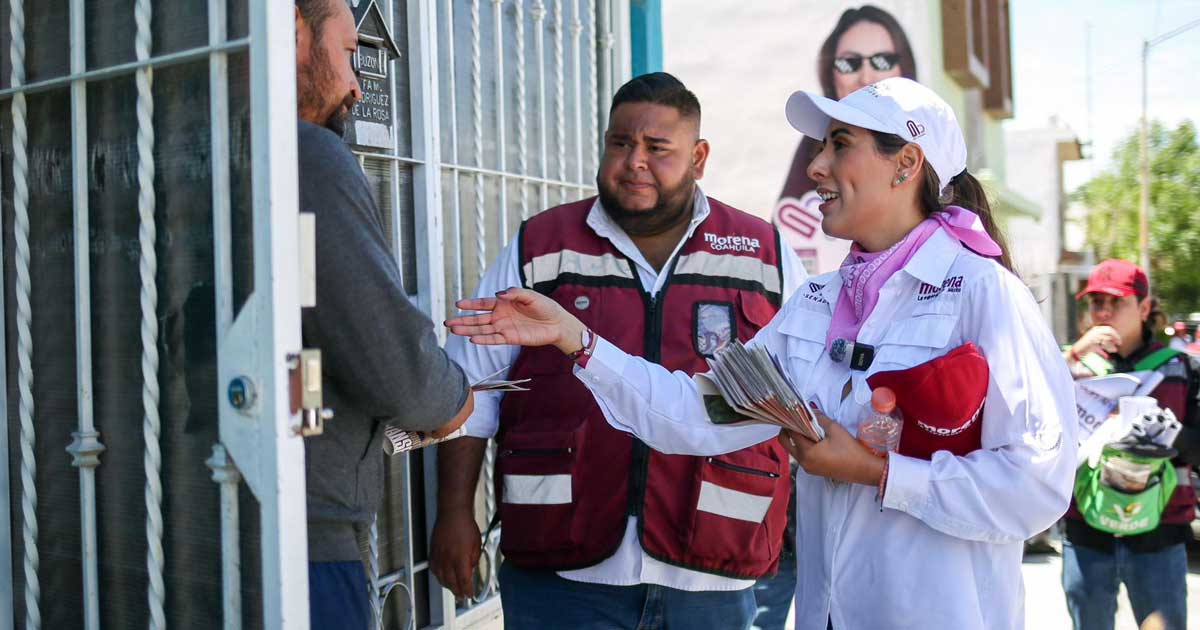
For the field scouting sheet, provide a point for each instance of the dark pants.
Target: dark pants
(542, 600)
(1156, 582)
(774, 595)
(337, 596)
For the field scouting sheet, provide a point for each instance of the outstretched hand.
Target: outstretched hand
(518, 317)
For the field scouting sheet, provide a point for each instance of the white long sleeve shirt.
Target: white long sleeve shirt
(630, 564)
(945, 550)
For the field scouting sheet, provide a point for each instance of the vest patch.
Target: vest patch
(714, 327)
(731, 243)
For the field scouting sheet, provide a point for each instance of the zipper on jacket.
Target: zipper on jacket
(640, 465)
(742, 469)
(517, 452)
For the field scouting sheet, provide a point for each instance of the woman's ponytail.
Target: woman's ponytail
(966, 191)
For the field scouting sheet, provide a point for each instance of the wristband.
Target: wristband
(887, 459)
(1074, 355)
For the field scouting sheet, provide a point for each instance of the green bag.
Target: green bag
(1115, 511)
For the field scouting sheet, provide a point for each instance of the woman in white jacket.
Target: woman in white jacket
(882, 542)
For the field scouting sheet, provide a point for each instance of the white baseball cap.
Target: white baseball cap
(897, 106)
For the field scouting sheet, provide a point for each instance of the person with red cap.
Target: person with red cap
(928, 536)
(1152, 565)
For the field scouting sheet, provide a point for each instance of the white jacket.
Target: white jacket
(945, 550)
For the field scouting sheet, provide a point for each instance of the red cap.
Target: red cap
(1117, 277)
(942, 402)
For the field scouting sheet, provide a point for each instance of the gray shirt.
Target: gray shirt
(382, 363)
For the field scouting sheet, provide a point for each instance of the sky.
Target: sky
(1050, 69)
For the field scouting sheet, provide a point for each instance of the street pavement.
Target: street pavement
(1046, 607)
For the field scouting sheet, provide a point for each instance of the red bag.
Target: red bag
(942, 402)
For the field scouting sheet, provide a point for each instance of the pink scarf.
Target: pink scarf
(864, 273)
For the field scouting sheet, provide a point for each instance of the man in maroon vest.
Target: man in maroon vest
(599, 530)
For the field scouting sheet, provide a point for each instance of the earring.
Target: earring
(901, 179)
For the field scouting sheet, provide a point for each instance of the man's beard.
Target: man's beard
(313, 83)
(670, 209)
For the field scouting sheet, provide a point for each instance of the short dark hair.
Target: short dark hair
(659, 88)
(315, 12)
(865, 13)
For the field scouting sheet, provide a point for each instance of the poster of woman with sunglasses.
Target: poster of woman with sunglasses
(867, 45)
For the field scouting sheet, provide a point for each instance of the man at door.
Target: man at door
(590, 516)
(382, 362)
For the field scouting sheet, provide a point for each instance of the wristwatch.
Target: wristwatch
(587, 341)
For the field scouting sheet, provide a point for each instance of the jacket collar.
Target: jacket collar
(933, 260)
(929, 264)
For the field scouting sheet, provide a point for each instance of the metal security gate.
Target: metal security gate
(498, 107)
(150, 240)
(150, 282)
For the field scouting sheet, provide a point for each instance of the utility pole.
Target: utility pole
(1144, 205)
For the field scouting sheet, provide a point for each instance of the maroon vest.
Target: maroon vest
(567, 481)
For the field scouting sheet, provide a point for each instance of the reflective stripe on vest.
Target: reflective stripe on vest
(550, 268)
(537, 489)
(745, 268)
(732, 503)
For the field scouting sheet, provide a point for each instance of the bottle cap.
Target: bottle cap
(883, 400)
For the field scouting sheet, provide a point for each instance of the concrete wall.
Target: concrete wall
(1034, 171)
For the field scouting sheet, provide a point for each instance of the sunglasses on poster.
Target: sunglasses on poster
(881, 61)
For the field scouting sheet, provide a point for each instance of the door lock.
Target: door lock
(242, 394)
(304, 381)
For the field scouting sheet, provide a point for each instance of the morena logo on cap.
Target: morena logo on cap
(915, 130)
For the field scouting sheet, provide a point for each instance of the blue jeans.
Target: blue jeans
(1156, 582)
(774, 596)
(541, 600)
(337, 596)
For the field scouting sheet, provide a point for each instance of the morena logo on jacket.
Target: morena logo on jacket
(928, 291)
(731, 243)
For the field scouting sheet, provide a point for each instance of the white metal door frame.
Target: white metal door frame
(264, 444)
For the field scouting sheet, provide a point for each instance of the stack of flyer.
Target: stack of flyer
(1096, 403)
(748, 384)
(396, 441)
